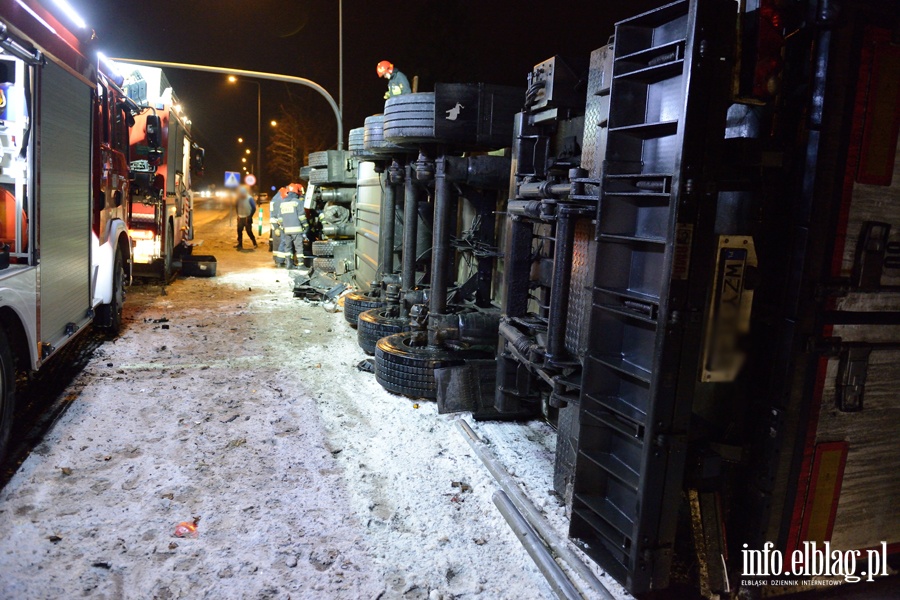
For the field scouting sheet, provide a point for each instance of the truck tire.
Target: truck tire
(111, 314)
(318, 159)
(7, 392)
(326, 265)
(405, 363)
(373, 137)
(357, 144)
(373, 132)
(375, 324)
(318, 176)
(409, 119)
(358, 302)
(417, 101)
(326, 248)
(356, 140)
(412, 135)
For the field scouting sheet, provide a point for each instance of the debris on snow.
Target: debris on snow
(187, 528)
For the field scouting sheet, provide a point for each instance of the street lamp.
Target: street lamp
(240, 140)
(234, 79)
(273, 123)
(247, 151)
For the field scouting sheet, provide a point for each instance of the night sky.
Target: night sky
(440, 40)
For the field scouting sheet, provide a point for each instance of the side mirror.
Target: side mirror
(126, 110)
(198, 154)
(154, 131)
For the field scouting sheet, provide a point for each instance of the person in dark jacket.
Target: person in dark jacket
(245, 206)
(294, 224)
(398, 84)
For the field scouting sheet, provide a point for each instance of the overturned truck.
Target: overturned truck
(682, 252)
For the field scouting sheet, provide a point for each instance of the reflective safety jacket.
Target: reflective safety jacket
(293, 217)
(275, 210)
(398, 85)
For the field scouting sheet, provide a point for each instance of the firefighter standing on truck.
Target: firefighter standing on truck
(294, 224)
(398, 84)
(275, 226)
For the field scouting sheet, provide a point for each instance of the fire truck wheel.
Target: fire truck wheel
(358, 302)
(111, 314)
(326, 248)
(375, 324)
(405, 363)
(7, 392)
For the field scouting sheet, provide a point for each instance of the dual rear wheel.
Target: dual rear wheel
(405, 363)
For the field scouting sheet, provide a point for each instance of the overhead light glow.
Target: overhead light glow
(232, 78)
(247, 151)
(240, 140)
(274, 123)
(70, 12)
(111, 65)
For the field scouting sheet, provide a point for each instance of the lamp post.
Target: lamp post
(233, 79)
(341, 61)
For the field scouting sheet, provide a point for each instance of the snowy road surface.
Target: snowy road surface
(229, 400)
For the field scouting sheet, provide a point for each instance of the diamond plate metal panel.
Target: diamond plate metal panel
(597, 110)
(579, 290)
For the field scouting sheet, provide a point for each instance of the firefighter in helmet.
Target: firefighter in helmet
(294, 224)
(275, 226)
(397, 82)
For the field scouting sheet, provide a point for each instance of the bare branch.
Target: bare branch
(299, 132)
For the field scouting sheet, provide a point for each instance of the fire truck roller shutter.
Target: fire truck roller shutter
(65, 202)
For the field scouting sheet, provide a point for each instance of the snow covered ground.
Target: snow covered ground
(229, 400)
